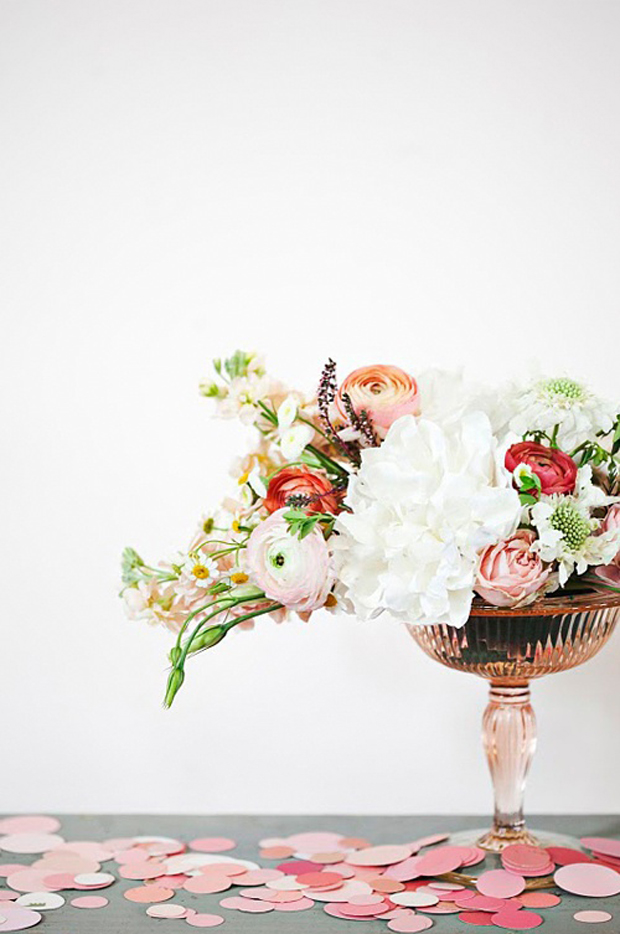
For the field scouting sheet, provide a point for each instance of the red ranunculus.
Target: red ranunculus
(556, 471)
(294, 481)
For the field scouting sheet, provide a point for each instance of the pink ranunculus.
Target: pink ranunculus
(509, 572)
(384, 392)
(297, 573)
(556, 471)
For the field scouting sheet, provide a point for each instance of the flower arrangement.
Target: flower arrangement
(391, 495)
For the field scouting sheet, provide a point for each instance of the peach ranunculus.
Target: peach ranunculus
(384, 392)
(298, 573)
(509, 572)
(300, 481)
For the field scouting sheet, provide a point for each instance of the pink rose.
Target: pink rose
(295, 572)
(611, 523)
(509, 572)
(384, 392)
(610, 573)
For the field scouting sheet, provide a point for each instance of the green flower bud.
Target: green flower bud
(177, 676)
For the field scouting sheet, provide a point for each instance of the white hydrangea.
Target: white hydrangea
(423, 505)
(546, 403)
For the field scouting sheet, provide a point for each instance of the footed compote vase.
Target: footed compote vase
(510, 647)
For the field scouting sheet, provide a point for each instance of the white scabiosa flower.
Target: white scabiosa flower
(549, 402)
(568, 533)
(424, 505)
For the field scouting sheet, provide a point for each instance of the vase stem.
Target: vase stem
(509, 737)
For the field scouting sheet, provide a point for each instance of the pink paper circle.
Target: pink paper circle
(443, 859)
(539, 900)
(89, 901)
(212, 844)
(207, 883)
(498, 883)
(565, 855)
(146, 894)
(7, 869)
(588, 879)
(204, 921)
(516, 920)
(259, 877)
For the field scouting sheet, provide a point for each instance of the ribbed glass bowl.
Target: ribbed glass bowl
(514, 646)
(510, 647)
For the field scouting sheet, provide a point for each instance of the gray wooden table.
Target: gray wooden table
(124, 917)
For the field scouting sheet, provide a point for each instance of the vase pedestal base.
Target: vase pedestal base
(494, 841)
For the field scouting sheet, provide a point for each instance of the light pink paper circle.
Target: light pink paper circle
(28, 880)
(212, 844)
(592, 917)
(18, 919)
(204, 921)
(379, 855)
(169, 910)
(602, 845)
(410, 924)
(254, 907)
(30, 842)
(301, 904)
(498, 883)
(588, 879)
(89, 901)
(29, 823)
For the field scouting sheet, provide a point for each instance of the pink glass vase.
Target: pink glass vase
(510, 647)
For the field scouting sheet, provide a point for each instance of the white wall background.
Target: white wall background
(425, 182)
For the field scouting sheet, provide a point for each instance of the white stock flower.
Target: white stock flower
(287, 412)
(549, 402)
(423, 505)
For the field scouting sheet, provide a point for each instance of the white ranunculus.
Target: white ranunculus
(423, 506)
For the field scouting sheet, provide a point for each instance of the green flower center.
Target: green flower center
(278, 560)
(566, 389)
(567, 519)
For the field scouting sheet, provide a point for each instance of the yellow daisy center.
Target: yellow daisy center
(200, 571)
